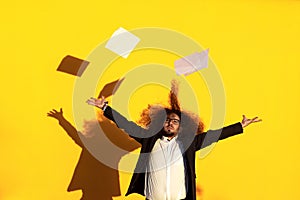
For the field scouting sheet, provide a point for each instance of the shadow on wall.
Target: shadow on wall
(94, 178)
(199, 193)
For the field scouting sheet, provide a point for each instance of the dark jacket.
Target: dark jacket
(198, 142)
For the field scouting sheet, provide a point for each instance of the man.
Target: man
(166, 166)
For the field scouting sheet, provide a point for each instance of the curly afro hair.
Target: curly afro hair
(154, 115)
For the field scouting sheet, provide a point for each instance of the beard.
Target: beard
(167, 133)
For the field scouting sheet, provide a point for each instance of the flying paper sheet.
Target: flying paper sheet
(110, 88)
(122, 42)
(191, 63)
(73, 65)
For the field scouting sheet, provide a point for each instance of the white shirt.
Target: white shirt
(165, 176)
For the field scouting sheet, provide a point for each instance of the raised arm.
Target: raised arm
(134, 131)
(66, 125)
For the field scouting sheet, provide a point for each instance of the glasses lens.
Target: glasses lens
(173, 121)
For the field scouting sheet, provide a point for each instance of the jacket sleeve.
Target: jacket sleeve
(71, 131)
(134, 131)
(207, 138)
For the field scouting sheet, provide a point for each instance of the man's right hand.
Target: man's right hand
(97, 102)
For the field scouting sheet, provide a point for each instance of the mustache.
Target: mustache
(170, 127)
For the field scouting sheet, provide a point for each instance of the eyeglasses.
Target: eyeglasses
(173, 121)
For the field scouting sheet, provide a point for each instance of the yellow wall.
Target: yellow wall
(255, 45)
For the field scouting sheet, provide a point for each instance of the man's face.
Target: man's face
(172, 123)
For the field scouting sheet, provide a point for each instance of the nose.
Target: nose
(169, 122)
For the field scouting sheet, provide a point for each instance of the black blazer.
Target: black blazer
(198, 142)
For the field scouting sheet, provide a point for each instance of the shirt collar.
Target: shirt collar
(166, 139)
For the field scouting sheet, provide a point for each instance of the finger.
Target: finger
(245, 118)
(258, 120)
(254, 118)
(90, 100)
(91, 103)
(61, 111)
(55, 111)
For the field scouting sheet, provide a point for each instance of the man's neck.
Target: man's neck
(170, 136)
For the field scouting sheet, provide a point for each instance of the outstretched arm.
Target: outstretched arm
(207, 138)
(66, 125)
(135, 131)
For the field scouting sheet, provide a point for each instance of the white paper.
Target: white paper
(192, 63)
(122, 42)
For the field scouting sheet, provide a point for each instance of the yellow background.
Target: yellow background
(255, 45)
